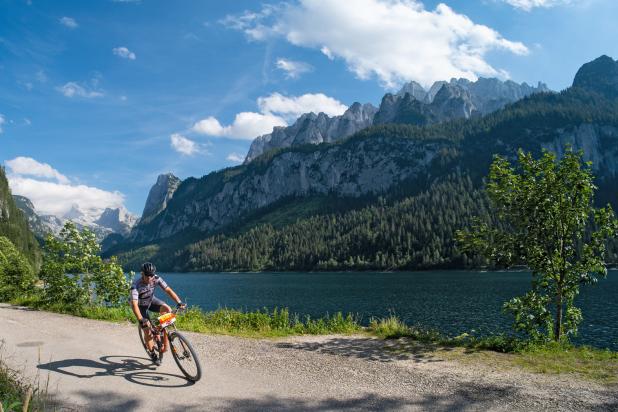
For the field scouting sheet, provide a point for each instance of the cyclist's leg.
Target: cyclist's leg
(147, 335)
(162, 307)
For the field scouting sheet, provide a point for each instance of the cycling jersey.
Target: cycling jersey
(144, 292)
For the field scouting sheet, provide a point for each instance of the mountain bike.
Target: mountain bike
(182, 351)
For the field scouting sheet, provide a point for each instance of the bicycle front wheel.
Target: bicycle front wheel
(185, 357)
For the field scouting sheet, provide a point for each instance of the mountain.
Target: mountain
(40, 225)
(118, 220)
(14, 225)
(599, 75)
(459, 98)
(111, 221)
(159, 196)
(318, 206)
(314, 129)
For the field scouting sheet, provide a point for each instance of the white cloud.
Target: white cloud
(392, 40)
(275, 110)
(183, 145)
(68, 22)
(246, 125)
(528, 5)
(72, 89)
(293, 69)
(292, 107)
(235, 157)
(27, 166)
(2, 121)
(56, 197)
(124, 53)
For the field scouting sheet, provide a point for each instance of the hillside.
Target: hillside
(400, 164)
(14, 226)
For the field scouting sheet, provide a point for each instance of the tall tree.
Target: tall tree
(545, 220)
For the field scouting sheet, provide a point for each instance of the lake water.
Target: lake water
(450, 301)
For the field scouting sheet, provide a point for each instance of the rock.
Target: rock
(159, 196)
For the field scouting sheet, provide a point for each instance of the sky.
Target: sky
(97, 98)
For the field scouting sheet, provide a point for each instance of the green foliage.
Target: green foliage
(74, 273)
(13, 225)
(548, 223)
(16, 274)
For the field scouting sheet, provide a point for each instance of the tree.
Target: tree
(16, 275)
(545, 219)
(74, 273)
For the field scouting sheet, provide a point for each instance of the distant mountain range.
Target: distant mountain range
(459, 98)
(388, 196)
(104, 223)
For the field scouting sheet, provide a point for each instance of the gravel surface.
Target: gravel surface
(100, 366)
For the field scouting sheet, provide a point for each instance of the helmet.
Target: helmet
(148, 268)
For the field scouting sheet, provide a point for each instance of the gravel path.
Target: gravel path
(100, 366)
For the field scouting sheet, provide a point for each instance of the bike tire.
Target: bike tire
(182, 351)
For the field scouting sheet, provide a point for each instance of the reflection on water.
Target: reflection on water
(450, 301)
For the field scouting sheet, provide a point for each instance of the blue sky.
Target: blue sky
(99, 97)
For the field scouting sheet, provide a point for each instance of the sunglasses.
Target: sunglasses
(150, 274)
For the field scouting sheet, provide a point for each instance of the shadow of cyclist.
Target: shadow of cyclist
(134, 369)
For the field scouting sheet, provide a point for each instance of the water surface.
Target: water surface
(450, 301)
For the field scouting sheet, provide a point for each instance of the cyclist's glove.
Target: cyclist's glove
(181, 305)
(144, 322)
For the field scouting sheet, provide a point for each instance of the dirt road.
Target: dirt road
(100, 366)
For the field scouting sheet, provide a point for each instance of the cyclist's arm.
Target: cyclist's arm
(136, 310)
(134, 302)
(172, 294)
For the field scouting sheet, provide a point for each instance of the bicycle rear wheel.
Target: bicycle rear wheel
(156, 347)
(185, 357)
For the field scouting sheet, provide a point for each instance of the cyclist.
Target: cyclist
(143, 301)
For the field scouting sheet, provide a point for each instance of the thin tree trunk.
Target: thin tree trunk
(558, 321)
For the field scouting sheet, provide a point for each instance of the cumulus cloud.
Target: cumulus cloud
(27, 166)
(235, 157)
(275, 110)
(58, 196)
(184, 146)
(246, 125)
(392, 40)
(528, 5)
(292, 107)
(2, 121)
(124, 53)
(68, 22)
(293, 69)
(73, 89)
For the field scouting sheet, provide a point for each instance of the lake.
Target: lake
(452, 302)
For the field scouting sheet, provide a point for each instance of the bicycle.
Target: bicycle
(182, 351)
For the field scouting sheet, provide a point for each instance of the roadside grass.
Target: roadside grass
(498, 351)
(16, 394)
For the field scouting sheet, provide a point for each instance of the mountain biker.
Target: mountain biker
(143, 301)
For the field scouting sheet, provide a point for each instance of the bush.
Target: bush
(16, 274)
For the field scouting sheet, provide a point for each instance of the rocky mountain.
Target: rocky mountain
(311, 128)
(159, 196)
(599, 75)
(117, 220)
(40, 225)
(459, 98)
(391, 160)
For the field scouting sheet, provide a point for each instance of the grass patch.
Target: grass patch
(18, 395)
(590, 363)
